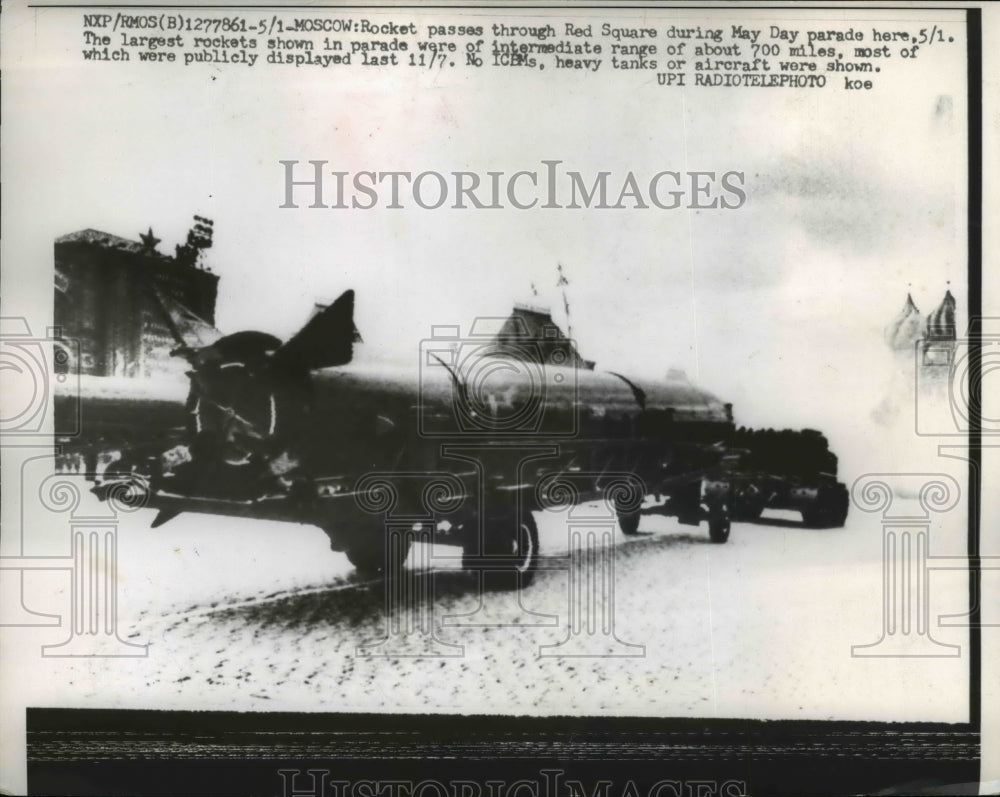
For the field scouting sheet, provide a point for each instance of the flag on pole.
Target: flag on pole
(562, 277)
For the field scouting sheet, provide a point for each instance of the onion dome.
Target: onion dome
(941, 323)
(905, 329)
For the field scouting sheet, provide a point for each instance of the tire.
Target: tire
(747, 513)
(525, 545)
(718, 528)
(717, 497)
(511, 558)
(824, 518)
(748, 504)
(628, 514)
(370, 559)
(628, 522)
(840, 501)
(830, 510)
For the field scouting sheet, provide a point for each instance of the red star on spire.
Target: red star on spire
(149, 241)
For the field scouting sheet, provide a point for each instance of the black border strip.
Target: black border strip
(975, 314)
(555, 6)
(153, 752)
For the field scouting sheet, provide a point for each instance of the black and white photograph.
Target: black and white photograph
(498, 398)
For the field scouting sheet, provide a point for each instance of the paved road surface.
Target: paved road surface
(248, 615)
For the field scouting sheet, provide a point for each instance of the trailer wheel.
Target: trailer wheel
(511, 557)
(718, 528)
(840, 510)
(830, 509)
(717, 499)
(815, 518)
(525, 548)
(368, 560)
(627, 507)
(747, 514)
(628, 522)
(370, 557)
(748, 503)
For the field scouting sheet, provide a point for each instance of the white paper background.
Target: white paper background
(854, 198)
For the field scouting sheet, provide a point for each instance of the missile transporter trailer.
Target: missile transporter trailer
(787, 469)
(462, 449)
